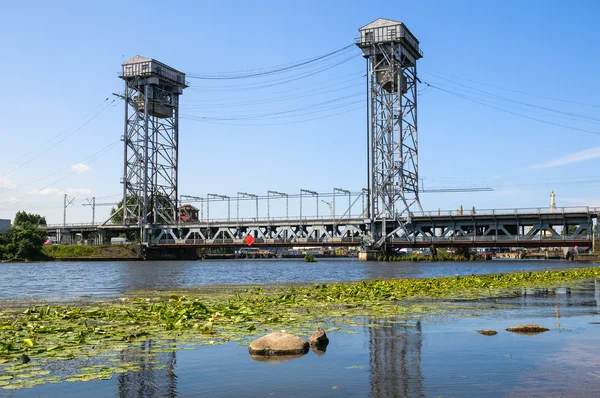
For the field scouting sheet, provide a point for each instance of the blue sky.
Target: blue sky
(61, 61)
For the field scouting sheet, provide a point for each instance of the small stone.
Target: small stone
(318, 338)
(278, 344)
(528, 328)
(487, 332)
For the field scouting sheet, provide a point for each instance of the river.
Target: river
(67, 281)
(432, 355)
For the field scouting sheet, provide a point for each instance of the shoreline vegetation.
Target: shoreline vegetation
(63, 252)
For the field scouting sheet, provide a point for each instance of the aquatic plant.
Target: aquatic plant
(212, 316)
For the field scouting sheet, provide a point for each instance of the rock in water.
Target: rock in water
(318, 338)
(487, 332)
(278, 344)
(527, 328)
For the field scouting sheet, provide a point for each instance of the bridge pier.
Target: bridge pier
(169, 253)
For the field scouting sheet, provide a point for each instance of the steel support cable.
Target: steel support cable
(61, 140)
(92, 158)
(509, 89)
(287, 116)
(514, 107)
(276, 82)
(272, 114)
(278, 124)
(487, 93)
(267, 101)
(266, 71)
(86, 160)
(62, 132)
(514, 113)
(321, 85)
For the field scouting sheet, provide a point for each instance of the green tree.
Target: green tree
(22, 218)
(24, 240)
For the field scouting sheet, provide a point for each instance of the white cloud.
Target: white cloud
(59, 192)
(6, 183)
(592, 153)
(81, 168)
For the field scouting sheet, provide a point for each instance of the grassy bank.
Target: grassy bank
(79, 251)
(212, 315)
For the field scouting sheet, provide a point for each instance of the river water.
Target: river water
(430, 356)
(65, 281)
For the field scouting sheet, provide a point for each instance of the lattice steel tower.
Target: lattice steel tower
(152, 91)
(392, 52)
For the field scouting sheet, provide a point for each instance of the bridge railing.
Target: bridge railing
(508, 211)
(72, 225)
(260, 241)
(492, 238)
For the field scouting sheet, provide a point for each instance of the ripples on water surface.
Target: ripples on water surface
(72, 280)
(438, 355)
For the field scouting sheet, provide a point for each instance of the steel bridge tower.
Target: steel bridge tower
(152, 91)
(392, 52)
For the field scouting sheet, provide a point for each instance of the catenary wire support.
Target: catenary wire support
(313, 193)
(92, 203)
(223, 197)
(67, 201)
(269, 193)
(247, 195)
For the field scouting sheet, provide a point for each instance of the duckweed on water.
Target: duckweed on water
(184, 321)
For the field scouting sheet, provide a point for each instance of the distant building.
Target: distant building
(188, 213)
(4, 225)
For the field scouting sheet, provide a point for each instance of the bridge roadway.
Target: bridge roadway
(485, 228)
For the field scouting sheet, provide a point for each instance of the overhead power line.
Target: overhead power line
(513, 90)
(493, 95)
(48, 149)
(266, 71)
(511, 112)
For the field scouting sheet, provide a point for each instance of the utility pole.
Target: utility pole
(316, 194)
(214, 195)
(344, 191)
(248, 195)
(68, 201)
(92, 203)
(280, 194)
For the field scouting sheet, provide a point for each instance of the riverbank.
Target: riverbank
(91, 253)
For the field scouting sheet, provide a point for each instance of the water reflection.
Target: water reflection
(156, 377)
(395, 359)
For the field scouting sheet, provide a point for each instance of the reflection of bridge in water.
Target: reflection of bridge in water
(156, 376)
(395, 359)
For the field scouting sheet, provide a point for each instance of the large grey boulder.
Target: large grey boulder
(278, 344)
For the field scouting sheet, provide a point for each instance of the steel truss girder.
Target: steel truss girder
(332, 232)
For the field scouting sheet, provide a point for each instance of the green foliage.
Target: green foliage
(75, 251)
(24, 242)
(22, 219)
(309, 258)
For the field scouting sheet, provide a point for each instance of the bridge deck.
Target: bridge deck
(494, 228)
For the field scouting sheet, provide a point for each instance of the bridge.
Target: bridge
(390, 215)
(535, 227)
